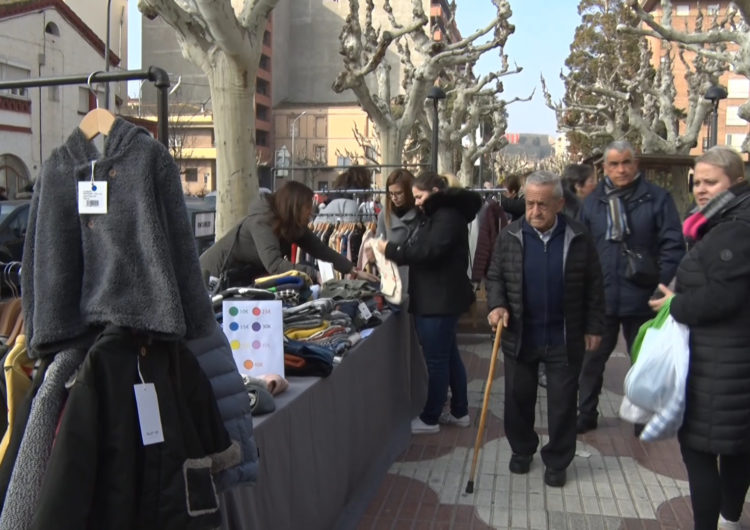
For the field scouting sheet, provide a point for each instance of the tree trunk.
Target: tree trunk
(233, 100)
(445, 159)
(466, 173)
(680, 189)
(391, 147)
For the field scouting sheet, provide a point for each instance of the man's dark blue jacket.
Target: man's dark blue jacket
(654, 227)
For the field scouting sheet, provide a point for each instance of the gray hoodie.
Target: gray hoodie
(135, 266)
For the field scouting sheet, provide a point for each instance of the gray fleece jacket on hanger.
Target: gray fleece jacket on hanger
(135, 266)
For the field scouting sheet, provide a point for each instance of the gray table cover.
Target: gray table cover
(326, 448)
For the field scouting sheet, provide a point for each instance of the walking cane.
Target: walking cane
(485, 402)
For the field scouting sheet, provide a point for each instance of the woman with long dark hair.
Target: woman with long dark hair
(437, 254)
(261, 243)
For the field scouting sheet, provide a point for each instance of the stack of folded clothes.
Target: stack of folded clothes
(320, 331)
(291, 287)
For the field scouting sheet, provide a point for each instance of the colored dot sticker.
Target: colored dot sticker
(256, 326)
(235, 345)
(233, 311)
(256, 311)
(248, 364)
(234, 326)
(256, 344)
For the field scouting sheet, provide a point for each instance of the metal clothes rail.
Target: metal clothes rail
(156, 75)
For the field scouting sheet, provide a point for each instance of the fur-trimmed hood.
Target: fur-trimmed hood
(465, 201)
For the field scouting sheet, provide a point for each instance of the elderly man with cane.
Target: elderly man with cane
(544, 286)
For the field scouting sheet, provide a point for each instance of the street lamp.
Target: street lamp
(714, 95)
(436, 93)
(294, 130)
(106, 55)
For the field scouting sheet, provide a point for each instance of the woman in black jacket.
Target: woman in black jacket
(437, 254)
(712, 293)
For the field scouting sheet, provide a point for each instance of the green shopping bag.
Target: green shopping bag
(655, 322)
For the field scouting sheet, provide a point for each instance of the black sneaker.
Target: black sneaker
(520, 464)
(584, 424)
(554, 478)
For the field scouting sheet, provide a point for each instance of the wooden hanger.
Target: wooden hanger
(98, 120)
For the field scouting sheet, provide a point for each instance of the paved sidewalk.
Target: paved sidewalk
(614, 482)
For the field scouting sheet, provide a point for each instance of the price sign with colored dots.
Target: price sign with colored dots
(255, 330)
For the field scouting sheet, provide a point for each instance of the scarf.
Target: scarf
(617, 217)
(693, 227)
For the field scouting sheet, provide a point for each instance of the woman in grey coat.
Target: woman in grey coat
(261, 243)
(400, 216)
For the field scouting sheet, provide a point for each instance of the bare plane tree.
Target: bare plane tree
(422, 61)
(726, 42)
(224, 38)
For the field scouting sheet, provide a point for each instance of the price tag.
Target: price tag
(92, 196)
(148, 413)
(326, 271)
(364, 312)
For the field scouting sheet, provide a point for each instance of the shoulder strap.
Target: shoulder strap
(231, 249)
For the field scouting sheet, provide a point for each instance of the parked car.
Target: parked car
(202, 217)
(14, 220)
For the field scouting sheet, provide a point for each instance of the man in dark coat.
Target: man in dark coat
(544, 285)
(626, 212)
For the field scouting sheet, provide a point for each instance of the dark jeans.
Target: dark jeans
(718, 483)
(437, 335)
(520, 400)
(594, 362)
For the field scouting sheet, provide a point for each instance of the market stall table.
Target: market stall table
(330, 441)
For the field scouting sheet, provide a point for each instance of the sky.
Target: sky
(540, 44)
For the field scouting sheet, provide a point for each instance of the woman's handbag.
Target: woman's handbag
(656, 381)
(641, 268)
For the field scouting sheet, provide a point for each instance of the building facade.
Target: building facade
(42, 39)
(306, 62)
(190, 103)
(732, 129)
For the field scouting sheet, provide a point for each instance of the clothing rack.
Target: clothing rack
(373, 191)
(156, 75)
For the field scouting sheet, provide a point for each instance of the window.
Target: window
(343, 161)
(735, 140)
(320, 127)
(261, 138)
(191, 174)
(262, 87)
(9, 72)
(738, 88)
(682, 10)
(733, 118)
(265, 62)
(267, 38)
(320, 154)
(712, 9)
(52, 29)
(261, 112)
(83, 100)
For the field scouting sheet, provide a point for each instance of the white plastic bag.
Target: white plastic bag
(656, 382)
(634, 413)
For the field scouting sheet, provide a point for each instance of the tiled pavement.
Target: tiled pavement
(615, 481)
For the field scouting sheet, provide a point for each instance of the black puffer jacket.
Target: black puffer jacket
(583, 291)
(438, 254)
(713, 290)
